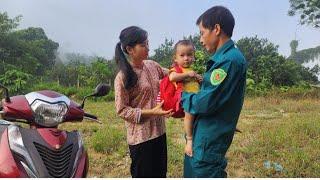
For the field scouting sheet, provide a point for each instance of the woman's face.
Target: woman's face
(139, 52)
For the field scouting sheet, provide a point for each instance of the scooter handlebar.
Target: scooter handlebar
(92, 117)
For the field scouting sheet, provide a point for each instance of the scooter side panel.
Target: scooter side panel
(8, 166)
(83, 166)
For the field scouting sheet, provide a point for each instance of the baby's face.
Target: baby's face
(184, 55)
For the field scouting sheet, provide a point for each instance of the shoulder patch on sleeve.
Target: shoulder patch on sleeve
(217, 76)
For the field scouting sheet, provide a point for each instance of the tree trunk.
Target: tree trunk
(78, 82)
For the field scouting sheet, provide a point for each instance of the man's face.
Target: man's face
(209, 38)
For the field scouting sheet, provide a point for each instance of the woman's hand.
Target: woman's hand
(159, 111)
(156, 111)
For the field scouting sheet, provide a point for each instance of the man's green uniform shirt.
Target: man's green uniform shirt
(217, 108)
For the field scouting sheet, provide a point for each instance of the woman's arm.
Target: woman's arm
(128, 113)
(123, 109)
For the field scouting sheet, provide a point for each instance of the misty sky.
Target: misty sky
(93, 26)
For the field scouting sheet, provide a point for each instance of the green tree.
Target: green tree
(163, 54)
(27, 50)
(37, 46)
(100, 72)
(267, 67)
(253, 48)
(7, 24)
(309, 11)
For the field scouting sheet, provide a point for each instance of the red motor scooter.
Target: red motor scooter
(42, 150)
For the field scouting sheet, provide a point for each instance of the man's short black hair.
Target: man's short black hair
(218, 15)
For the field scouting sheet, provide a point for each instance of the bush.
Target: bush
(68, 91)
(47, 86)
(16, 81)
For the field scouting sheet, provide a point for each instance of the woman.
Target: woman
(136, 89)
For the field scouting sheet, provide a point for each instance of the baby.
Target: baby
(183, 57)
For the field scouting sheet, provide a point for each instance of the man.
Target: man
(218, 104)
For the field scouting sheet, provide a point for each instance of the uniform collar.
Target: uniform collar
(226, 46)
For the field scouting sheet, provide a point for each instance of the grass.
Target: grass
(277, 130)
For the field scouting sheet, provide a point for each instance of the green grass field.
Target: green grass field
(275, 131)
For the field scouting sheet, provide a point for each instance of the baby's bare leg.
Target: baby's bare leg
(188, 121)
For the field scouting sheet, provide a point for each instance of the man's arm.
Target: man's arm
(224, 78)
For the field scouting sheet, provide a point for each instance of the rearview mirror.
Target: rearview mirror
(101, 90)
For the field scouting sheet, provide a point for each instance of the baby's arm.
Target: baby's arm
(175, 77)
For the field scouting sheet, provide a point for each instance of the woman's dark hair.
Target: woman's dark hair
(218, 15)
(129, 36)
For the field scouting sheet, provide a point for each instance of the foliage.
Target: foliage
(30, 53)
(28, 50)
(15, 80)
(266, 67)
(200, 61)
(164, 53)
(253, 50)
(309, 11)
(77, 73)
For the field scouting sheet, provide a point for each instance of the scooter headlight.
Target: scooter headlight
(47, 114)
